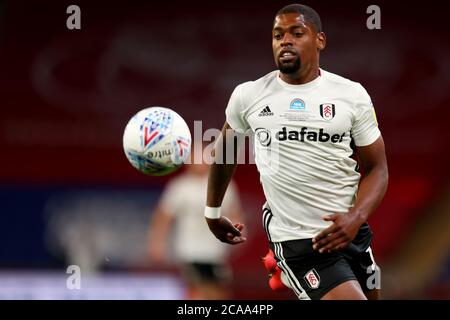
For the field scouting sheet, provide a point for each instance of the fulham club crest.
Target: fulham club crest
(312, 278)
(327, 111)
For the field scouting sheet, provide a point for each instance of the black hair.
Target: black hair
(309, 14)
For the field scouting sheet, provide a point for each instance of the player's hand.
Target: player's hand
(339, 235)
(224, 230)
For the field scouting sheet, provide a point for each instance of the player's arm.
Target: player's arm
(232, 207)
(371, 191)
(375, 180)
(160, 225)
(220, 174)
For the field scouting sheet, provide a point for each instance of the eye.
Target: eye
(277, 36)
(298, 34)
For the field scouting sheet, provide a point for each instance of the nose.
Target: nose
(287, 40)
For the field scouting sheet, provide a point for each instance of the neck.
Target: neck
(302, 76)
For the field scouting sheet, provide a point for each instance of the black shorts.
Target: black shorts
(197, 272)
(311, 274)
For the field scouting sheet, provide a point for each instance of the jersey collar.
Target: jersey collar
(305, 86)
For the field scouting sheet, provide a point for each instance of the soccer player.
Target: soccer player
(307, 123)
(203, 260)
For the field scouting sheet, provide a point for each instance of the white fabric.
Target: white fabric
(303, 156)
(212, 212)
(185, 198)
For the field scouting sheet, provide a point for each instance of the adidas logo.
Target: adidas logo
(265, 112)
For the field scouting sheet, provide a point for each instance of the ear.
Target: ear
(321, 41)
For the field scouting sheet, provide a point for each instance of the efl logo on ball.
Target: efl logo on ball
(157, 141)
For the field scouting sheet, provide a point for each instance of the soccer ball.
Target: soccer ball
(157, 141)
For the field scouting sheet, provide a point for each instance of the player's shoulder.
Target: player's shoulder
(179, 181)
(342, 84)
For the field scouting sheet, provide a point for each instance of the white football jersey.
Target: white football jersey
(302, 147)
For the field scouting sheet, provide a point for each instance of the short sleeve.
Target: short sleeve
(170, 200)
(234, 111)
(365, 126)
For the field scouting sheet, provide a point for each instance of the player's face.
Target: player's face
(295, 43)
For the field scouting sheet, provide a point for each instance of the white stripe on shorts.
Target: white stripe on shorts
(293, 281)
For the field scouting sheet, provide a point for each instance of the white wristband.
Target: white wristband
(212, 213)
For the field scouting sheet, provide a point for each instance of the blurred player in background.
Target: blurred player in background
(307, 124)
(203, 260)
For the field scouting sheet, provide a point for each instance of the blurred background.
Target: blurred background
(69, 196)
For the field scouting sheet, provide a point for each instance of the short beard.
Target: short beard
(290, 68)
